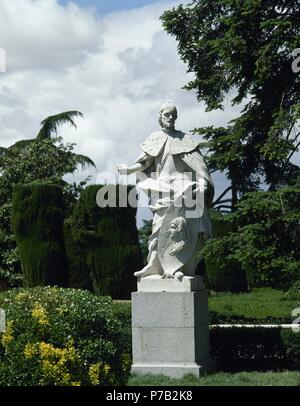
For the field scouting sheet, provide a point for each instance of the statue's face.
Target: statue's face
(173, 230)
(168, 117)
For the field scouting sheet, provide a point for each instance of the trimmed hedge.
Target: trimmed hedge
(258, 349)
(102, 245)
(58, 336)
(37, 221)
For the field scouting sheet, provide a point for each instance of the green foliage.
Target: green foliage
(294, 292)
(107, 239)
(37, 221)
(51, 124)
(122, 311)
(261, 306)
(266, 240)
(243, 50)
(40, 160)
(62, 337)
(257, 348)
(220, 276)
(291, 341)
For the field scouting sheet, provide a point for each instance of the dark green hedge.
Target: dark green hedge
(102, 245)
(259, 349)
(37, 220)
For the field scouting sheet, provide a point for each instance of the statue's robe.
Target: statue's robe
(178, 184)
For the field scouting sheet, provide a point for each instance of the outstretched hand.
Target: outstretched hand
(122, 169)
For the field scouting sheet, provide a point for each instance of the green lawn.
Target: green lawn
(262, 305)
(286, 378)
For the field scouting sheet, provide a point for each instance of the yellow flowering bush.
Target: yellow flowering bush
(39, 313)
(7, 336)
(65, 337)
(54, 362)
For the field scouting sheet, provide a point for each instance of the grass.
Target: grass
(263, 305)
(286, 378)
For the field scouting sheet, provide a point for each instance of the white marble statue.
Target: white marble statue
(172, 171)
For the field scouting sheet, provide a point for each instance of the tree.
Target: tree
(37, 220)
(49, 126)
(264, 239)
(42, 159)
(243, 50)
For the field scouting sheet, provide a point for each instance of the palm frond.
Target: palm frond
(84, 161)
(51, 123)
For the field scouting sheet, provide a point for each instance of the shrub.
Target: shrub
(264, 240)
(107, 239)
(122, 311)
(37, 219)
(79, 273)
(293, 293)
(59, 336)
(291, 341)
(257, 348)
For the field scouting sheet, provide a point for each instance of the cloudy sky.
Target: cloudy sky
(109, 59)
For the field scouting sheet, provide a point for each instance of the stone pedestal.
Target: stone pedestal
(170, 328)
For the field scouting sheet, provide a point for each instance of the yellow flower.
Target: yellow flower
(30, 350)
(40, 314)
(94, 371)
(22, 295)
(7, 337)
(75, 383)
(106, 368)
(55, 364)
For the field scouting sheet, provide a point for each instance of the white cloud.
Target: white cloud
(116, 69)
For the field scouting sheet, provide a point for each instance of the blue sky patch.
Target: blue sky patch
(106, 6)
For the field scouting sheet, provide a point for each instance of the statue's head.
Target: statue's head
(167, 115)
(179, 235)
(177, 227)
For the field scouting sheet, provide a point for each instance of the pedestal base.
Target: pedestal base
(170, 333)
(173, 370)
